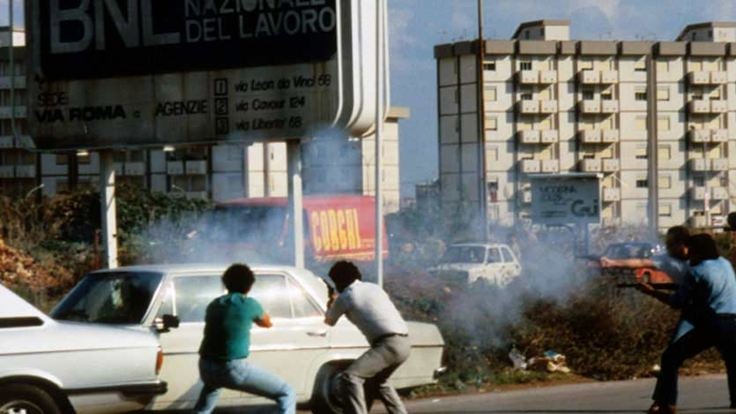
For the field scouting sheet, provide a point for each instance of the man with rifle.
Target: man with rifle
(675, 264)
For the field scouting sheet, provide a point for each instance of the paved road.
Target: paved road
(701, 395)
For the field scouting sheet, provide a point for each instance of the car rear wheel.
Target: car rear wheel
(327, 393)
(26, 399)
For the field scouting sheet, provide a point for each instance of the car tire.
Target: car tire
(27, 399)
(326, 393)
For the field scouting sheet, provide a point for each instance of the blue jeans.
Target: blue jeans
(238, 374)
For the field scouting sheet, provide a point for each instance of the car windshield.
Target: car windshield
(113, 298)
(464, 254)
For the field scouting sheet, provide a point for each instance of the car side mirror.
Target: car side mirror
(166, 322)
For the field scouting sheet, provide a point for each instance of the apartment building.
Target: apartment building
(656, 120)
(331, 164)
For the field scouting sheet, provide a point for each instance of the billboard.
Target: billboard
(141, 73)
(565, 199)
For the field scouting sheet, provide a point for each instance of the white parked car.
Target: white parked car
(494, 263)
(50, 367)
(299, 347)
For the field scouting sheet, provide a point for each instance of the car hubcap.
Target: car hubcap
(20, 407)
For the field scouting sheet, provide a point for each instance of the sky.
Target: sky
(416, 26)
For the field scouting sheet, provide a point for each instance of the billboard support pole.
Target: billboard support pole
(296, 209)
(108, 208)
(378, 148)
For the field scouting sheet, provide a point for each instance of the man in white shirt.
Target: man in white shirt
(368, 307)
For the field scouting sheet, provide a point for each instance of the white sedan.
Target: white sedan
(49, 367)
(299, 347)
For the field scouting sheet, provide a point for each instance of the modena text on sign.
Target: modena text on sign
(137, 73)
(565, 199)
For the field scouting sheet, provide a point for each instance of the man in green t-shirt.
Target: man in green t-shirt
(225, 346)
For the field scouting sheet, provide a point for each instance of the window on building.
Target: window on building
(641, 153)
(489, 65)
(642, 183)
(663, 123)
(663, 93)
(62, 159)
(665, 182)
(587, 94)
(664, 152)
(491, 123)
(457, 125)
(493, 153)
(526, 96)
(640, 93)
(607, 95)
(489, 93)
(665, 210)
(457, 95)
(525, 65)
(640, 65)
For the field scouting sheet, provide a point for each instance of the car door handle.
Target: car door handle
(317, 333)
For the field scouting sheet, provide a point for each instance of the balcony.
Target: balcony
(609, 77)
(719, 164)
(719, 135)
(550, 166)
(530, 166)
(548, 107)
(589, 77)
(590, 165)
(718, 77)
(609, 107)
(590, 136)
(611, 165)
(6, 141)
(25, 171)
(528, 107)
(698, 193)
(7, 171)
(598, 77)
(529, 136)
(698, 221)
(719, 193)
(196, 167)
(609, 136)
(589, 106)
(702, 77)
(547, 77)
(550, 136)
(718, 106)
(20, 82)
(699, 136)
(611, 194)
(134, 168)
(529, 77)
(699, 164)
(6, 112)
(699, 106)
(24, 141)
(175, 167)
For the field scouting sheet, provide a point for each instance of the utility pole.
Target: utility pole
(378, 144)
(482, 179)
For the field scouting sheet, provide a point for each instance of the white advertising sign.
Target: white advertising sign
(138, 73)
(565, 199)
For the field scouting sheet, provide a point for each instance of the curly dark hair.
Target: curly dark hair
(702, 247)
(238, 278)
(343, 273)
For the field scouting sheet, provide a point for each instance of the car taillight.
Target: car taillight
(159, 360)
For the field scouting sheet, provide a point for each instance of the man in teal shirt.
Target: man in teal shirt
(226, 343)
